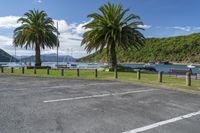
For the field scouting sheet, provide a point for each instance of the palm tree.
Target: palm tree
(111, 29)
(37, 31)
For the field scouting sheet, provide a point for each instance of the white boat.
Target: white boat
(93, 63)
(149, 64)
(191, 66)
(72, 65)
(67, 66)
(16, 65)
(146, 65)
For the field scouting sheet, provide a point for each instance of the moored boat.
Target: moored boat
(164, 63)
(191, 66)
(149, 64)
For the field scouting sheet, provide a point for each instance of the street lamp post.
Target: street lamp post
(57, 45)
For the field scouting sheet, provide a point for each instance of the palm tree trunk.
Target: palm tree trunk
(114, 60)
(37, 55)
(113, 57)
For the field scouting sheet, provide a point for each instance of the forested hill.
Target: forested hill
(5, 57)
(180, 49)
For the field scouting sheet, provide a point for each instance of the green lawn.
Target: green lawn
(146, 79)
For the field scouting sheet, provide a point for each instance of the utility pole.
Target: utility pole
(57, 44)
(15, 55)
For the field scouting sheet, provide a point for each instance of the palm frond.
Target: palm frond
(112, 29)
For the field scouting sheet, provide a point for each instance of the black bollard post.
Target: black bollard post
(138, 74)
(48, 71)
(2, 70)
(35, 70)
(12, 70)
(96, 73)
(115, 73)
(160, 76)
(22, 70)
(78, 72)
(188, 78)
(62, 72)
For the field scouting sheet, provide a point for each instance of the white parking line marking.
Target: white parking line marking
(148, 127)
(58, 87)
(81, 85)
(63, 86)
(97, 96)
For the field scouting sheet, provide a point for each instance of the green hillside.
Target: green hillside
(180, 49)
(5, 57)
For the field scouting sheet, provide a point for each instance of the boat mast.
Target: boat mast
(71, 53)
(68, 55)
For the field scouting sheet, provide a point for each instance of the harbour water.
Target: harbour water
(166, 68)
(158, 67)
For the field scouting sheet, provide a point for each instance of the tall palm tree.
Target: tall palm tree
(37, 31)
(111, 29)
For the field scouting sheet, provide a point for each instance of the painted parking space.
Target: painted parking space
(92, 106)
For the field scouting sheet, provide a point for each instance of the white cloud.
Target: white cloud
(70, 37)
(6, 44)
(39, 1)
(74, 28)
(4, 40)
(80, 29)
(63, 26)
(9, 22)
(196, 28)
(145, 26)
(161, 31)
(183, 28)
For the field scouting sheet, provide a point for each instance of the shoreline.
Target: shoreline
(173, 63)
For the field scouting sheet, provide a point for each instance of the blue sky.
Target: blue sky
(162, 18)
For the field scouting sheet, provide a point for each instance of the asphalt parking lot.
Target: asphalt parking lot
(53, 105)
